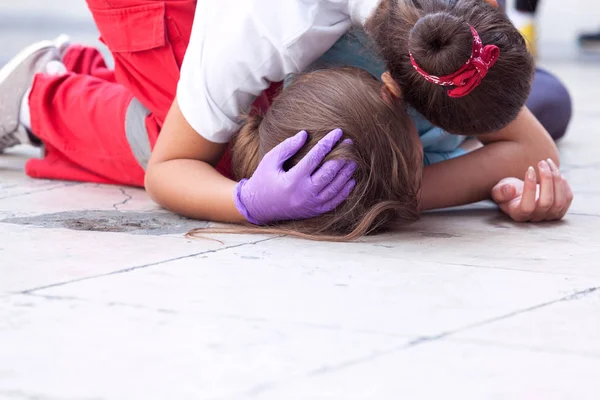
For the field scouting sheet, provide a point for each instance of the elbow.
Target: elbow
(151, 183)
(148, 183)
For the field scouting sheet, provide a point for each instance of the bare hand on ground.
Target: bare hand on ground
(527, 201)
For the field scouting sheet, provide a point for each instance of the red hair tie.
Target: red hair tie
(470, 75)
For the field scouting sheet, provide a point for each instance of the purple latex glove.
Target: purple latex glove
(272, 194)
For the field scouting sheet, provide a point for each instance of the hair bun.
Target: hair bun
(440, 43)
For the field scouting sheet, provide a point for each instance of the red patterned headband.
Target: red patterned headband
(470, 75)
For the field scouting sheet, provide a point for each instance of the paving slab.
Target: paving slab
(337, 286)
(570, 326)
(243, 323)
(447, 370)
(85, 350)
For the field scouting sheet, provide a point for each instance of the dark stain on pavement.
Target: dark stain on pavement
(136, 223)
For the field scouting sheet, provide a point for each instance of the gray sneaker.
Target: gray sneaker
(16, 78)
(62, 44)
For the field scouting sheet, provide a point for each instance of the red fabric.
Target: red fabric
(470, 75)
(80, 116)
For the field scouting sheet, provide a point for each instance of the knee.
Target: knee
(551, 103)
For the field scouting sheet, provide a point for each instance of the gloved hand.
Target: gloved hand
(272, 194)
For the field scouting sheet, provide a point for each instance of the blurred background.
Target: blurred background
(559, 23)
(23, 22)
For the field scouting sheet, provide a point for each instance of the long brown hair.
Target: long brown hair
(438, 35)
(384, 148)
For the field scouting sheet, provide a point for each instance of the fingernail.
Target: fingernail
(552, 165)
(352, 166)
(337, 133)
(531, 174)
(544, 166)
(507, 190)
(301, 137)
(348, 141)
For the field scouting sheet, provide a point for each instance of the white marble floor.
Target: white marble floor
(102, 297)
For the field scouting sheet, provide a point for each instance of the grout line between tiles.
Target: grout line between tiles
(267, 386)
(536, 349)
(65, 185)
(125, 270)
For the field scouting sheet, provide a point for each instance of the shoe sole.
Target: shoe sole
(19, 86)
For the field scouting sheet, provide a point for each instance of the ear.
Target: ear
(390, 85)
(386, 95)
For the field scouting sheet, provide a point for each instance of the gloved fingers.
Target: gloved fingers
(338, 183)
(286, 149)
(326, 174)
(316, 155)
(339, 199)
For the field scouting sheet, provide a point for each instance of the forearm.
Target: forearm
(470, 178)
(181, 175)
(193, 189)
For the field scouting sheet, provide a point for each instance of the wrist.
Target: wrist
(239, 203)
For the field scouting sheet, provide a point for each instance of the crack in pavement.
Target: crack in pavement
(125, 270)
(122, 203)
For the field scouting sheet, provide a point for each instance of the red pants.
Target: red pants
(99, 125)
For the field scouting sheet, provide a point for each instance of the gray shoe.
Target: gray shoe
(16, 78)
(62, 44)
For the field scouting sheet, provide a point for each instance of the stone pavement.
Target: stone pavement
(102, 297)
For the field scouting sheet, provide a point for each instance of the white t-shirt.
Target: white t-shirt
(238, 47)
